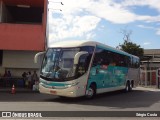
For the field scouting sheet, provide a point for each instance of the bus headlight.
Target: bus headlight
(71, 85)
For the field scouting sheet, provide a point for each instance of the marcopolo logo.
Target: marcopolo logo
(6, 114)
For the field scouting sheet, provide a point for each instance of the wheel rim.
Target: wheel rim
(127, 88)
(90, 92)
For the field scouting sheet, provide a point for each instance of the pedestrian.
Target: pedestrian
(24, 76)
(34, 78)
(7, 78)
(9, 75)
(5, 81)
(29, 79)
(5, 74)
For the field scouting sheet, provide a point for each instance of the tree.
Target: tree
(129, 46)
(132, 48)
(126, 34)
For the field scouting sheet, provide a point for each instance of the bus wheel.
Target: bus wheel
(128, 87)
(91, 91)
(132, 85)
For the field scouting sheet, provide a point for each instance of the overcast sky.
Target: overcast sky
(102, 20)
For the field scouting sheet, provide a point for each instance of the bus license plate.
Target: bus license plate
(53, 92)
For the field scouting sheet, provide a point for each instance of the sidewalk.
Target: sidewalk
(148, 88)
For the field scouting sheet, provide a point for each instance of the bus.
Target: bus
(87, 68)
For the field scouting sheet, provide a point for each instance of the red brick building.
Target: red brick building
(22, 34)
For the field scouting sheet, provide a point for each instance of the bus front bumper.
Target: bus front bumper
(67, 92)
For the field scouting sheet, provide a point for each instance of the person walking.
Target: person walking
(34, 79)
(24, 76)
(11, 81)
(29, 79)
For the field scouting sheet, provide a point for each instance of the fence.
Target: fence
(148, 78)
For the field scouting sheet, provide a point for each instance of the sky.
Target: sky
(104, 21)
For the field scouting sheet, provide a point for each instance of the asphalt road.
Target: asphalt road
(140, 99)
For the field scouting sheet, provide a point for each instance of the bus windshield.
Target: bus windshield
(58, 63)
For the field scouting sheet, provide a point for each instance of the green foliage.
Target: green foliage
(132, 48)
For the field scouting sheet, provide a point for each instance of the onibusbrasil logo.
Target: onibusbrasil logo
(21, 115)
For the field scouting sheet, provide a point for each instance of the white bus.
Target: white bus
(78, 68)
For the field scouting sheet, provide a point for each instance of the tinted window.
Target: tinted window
(135, 62)
(106, 57)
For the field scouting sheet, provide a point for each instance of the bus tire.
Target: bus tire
(132, 84)
(128, 87)
(91, 91)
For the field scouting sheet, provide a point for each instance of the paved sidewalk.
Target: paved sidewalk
(147, 88)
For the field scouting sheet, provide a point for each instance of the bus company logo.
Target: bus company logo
(6, 114)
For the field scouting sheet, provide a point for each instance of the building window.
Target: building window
(22, 14)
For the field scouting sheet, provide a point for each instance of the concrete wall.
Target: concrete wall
(19, 61)
(152, 64)
(5, 16)
(22, 37)
(1, 71)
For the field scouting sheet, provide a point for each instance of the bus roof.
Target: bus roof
(78, 43)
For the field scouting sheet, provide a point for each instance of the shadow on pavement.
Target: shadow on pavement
(118, 99)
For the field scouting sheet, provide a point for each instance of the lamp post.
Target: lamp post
(47, 21)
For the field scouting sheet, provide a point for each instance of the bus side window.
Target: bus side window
(95, 62)
(128, 61)
(97, 57)
(135, 62)
(83, 65)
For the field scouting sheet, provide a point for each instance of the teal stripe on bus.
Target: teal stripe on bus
(113, 76)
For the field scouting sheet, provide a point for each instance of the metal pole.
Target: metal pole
(158, 76)
(47, 27)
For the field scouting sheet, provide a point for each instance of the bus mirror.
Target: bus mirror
(36, 57)
(77, 56)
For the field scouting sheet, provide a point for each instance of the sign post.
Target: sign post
(158, 78)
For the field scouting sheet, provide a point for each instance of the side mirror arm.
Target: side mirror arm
(77, 56)
(37, 56)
